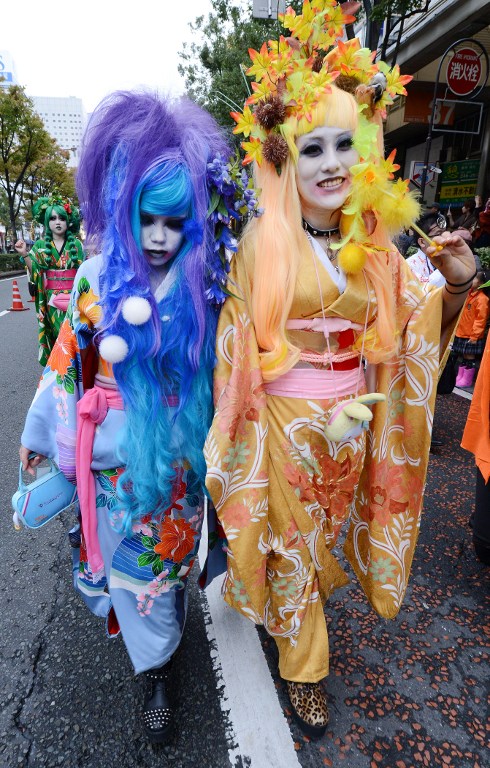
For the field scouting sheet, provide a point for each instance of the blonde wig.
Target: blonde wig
(274, 245)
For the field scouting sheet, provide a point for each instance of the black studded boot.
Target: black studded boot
(158, 714)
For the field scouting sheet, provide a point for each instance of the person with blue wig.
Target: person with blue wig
(125, 400)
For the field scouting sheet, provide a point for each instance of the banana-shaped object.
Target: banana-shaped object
(350, 417)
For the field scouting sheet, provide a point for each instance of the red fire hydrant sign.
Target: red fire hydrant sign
(464, 71)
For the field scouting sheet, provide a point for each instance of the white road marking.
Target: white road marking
(5, 312)
(259, 732)
(463, 393)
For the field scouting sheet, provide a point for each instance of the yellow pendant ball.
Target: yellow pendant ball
(352, 258)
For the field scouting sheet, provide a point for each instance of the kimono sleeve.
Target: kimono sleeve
(50, 427)
(236, 453)
(386, 513)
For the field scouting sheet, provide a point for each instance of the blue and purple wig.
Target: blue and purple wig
(145, 152)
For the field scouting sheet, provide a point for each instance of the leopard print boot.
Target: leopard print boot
(309, 707)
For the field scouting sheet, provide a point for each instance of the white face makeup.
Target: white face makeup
(323, 173)
(58, 225)
(161, 237)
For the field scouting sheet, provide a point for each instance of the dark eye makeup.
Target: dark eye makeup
(315, 148)
(147, 219)
(345, 143)
(311, 150)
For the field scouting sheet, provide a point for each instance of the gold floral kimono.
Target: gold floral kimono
(282, 491)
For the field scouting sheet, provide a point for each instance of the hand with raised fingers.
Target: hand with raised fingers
(452, 256)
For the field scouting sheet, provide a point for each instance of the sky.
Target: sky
(89, 48)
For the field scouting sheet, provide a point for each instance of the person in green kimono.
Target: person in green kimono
(52, 263)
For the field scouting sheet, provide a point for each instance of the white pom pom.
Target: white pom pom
(136, 310)
(113, 348)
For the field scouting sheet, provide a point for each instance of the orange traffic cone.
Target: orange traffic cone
(17, 305)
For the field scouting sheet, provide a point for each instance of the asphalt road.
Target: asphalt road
(402, 694)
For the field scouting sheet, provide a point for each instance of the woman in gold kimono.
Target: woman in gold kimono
(318, 290)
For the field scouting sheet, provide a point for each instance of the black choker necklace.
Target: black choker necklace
(319, 232)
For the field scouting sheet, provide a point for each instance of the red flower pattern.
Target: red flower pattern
(176, 539)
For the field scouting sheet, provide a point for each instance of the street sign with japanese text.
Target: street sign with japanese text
(464, 71)
(458, 181)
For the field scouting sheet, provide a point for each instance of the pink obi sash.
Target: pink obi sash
(315, 384)
(91, 410)
(60, 280)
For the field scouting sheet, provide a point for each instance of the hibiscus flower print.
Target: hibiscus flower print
(89, 311)
(63, 353)
(176, 540)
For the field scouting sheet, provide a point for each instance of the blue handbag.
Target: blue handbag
(46, 497)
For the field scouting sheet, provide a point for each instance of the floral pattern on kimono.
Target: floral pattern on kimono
(279, 486)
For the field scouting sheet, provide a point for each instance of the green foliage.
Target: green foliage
(382, 9)
(411, 251)
(49, 174)
(213, 66)
(388, 17)
(29, 158)
(484, 255)
(9, 262)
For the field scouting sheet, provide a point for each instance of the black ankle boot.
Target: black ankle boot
(158, 714)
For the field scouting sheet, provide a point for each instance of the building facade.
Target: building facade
(448, 45)
(65, 120)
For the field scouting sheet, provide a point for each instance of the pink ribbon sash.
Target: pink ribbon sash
(306, 383)
(91, 410)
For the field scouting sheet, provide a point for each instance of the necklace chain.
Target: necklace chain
(331, 255)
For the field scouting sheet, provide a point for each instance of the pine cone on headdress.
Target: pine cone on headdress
(317, 63)
(270, 112)
(275, 149)
(347, 83)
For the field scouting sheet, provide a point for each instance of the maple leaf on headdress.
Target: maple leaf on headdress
(280, 47)
(300, 25)
(261, 61)
(281, 63)
(389, 166)
(294, 85)
(352, 60)
(395, 85)
(395, 81)
(260, 91)
(337, 19)
(244, 121)
(323, 80)
(253, 149)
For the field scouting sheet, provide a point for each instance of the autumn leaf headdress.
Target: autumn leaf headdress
(292, 74)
